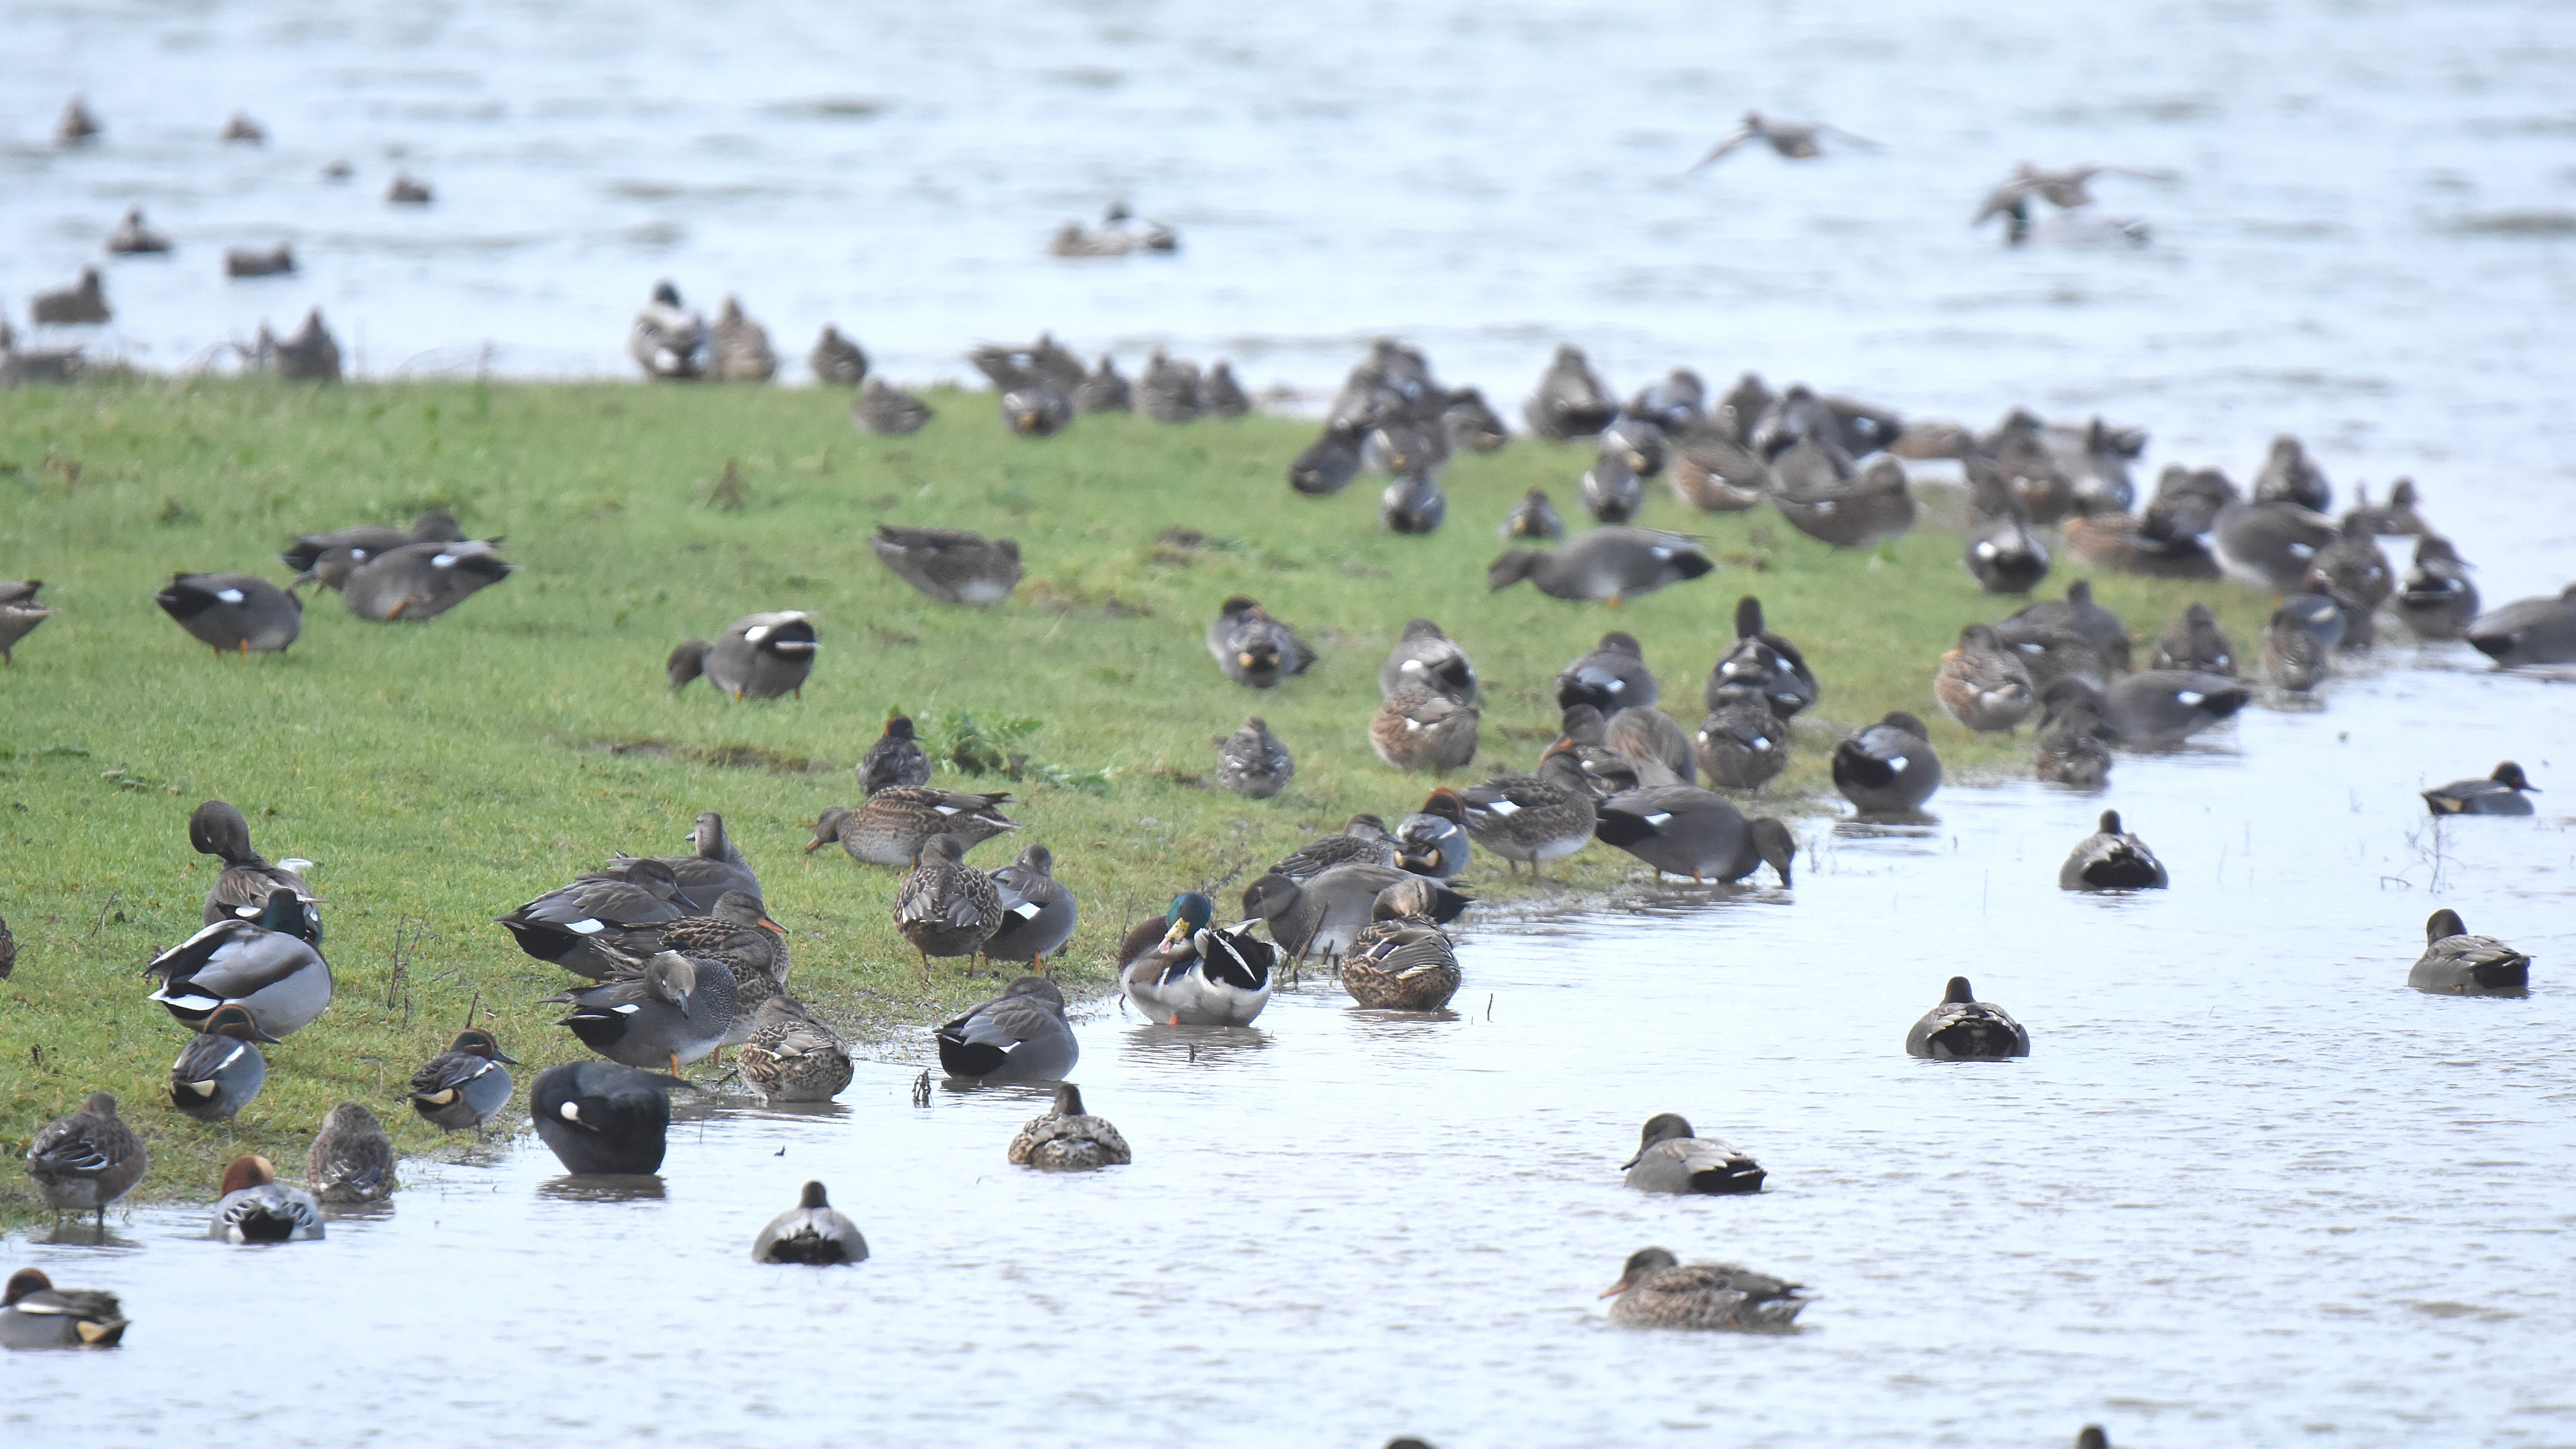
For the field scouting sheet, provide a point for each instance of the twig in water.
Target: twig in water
(1489, 1006)
(921, 1089)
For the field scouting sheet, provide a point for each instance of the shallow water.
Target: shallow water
(2247, 1189)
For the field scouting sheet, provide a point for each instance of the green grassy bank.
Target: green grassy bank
(442, 774)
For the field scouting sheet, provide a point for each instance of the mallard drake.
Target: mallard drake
(1537, 817)
(1670, 1158)
(20, 613)
(812, 1233)
(464, 1086)
(2292, 656)
(894, 760)
(1820, 497)
(2111, 859)
(1400, 960)
(946, 907)
(950, 565)
(366, 540)
(1415, 729)
(1426, 658)
(233, 613)
(1038, 913)
(1169, 390)
(888, 411)
(1982, 684)
(2528, 632)
(1610, 491)
(77, 124)
(1676, 404)
(1064, 1138)
(1252, 762)
(2158, 707)
(1432, 841)
(1572, 401)
(2002, 554)
(221, 1068)
(1197, 974)
(1018, 1036)
(1253, 648)
(1329, 463)
(1964, 1029)
(1714, 473)
(1887, 768)
(571, 925)
(1413, 504)
(1741, 745)
(1790, 141)
(2195, 642)
(761, 656)
(1657, 1291)
(2456, 963)
(1323, 914)
(1612, 564)
(2071, 751)
(2289, 475)
(668, 341)
(2500, 793)
(2437, 599)
(245, 263)
(1471, 422)
(242, 888)
(738, 348)
(414, 583)
(263, 965)
(135, 237)
(1685, 830)
(1103, 390)
(36, 1314)
(257, 1208)
(599, 1117)
(1220, 395)
(1654, 742)
(836, 360)
(2269, 545)
(891, 826)
(82, 303)
(663, 1009)
(351, 1160)
(1761, 663)
(791, 1055)
(1612, 677)
(83, 1162)
(2075, 614)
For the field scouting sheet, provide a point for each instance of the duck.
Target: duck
(233, 613)
(1642, 446)
(20, 612)
(1018, 1036)
(2397, 517)
(351, 1160)
(1714, 473)
(83, 303)
(1103, 390)
(1363, 840)
(1413, 504)
(894, 760)
(813, 1233)
(2096, 460)
(1254, 649)
(466, 1085)
(415, 583)
(572, 925)
(1741, 745)
(366, 540)
(1038, 913)
(35, 1314)
(2351, 571)
(2075, 614)
(2500, 793)
(246, 263)
(890, 827)
(404, 191)
(837, 360)
(77, 124)
(1401, 960)
(790, 1055)
(2436, 600)
(1671, 1158)
(2050, 654)
(1764, 664)
(2022, 461)
(1534, 517)
(1534, 818)
(2119, 544)
(221, 1068)
(1032, 402)
(256, 1208)
(2292, 656)
(2160, 707)
(713, 866)
(1329, 463)
(946, 907)
(1656, 1290)
(737, 935)
(2527, 632)
(2070, 750)
(1612, 564)
(135, 237)
(1789, 140)
(1964, 1029)
(2002, 554)
(600, 1118)
(1821, 498)
(1471, 422)
(1415, 729)
(242, 888)
(1252, 762)
(1220, 395)
(1426, 658)
(1606, 769)
(663, 1009)
(1887, 768)
(950, 565)
(738, 348)
(1065, 1138)
(1612, 677)
(1196, 974)
(1571, 401)
(2456, 963)
(1982, 684)
(1169, 390)
(85, 1161)
(1433, 841)
(2194, 642)
(1852, 428)
(263, 965)
(1654, 742)
(2289, 475)
(2111, 859)
(1610, 491)
(1676, 404)
(759, 656)
(1689, 831)
(888, 411)
(668, 341)
(1323, 914)
(2271, 545)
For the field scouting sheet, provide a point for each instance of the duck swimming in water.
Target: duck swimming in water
(1196, 974)
(2437, 599)
(1964, 1029)
(2528, 632)
(1671, 1158)
(1065, 1138)
(256, 1209)
(1018, 1036)
(1887, 768)
(1657, 1291)
(2456, 963)
(2500, 793)
(2111, 859)
(813, 1233)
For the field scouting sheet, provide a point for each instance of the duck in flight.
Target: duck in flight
(1794, 140)
(2065, 188)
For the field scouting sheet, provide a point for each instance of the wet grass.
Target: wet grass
(442, 774)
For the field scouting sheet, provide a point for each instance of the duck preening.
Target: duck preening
(813, 1233)
(1065, 1138)
(1402, 960)
(257, 1208)
(1196, 973)
(1433, 840)
(221, 1068)
(2111, 859)
(1964, 1029)
(1656, 1290)
(35, 1314)
(946, 907)
(2500, 793)
(242, 888)
(1426, 658)
(1572, 401)
(603, 1118)
(791, 1055)
(1326, 914)
(668, 341)
(2456, 963)
(1671, 1158)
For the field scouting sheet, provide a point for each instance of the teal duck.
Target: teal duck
(1982, 684)
(836, 360)
(265, 966)
(1415, 729)
(1104, 390)
(1572, 401)
(1361, 841)
(791, 1055)
(1789, 140)
(1065, 1138)
(83, 303)
(665, 1009)
(668, 341)
(351, 1160)
(946, 907)
(1764, 664)
(1671, 1158)
(894, 760)
(464, 1086)
(1964, 1029)
(1197, 974)
(1169, 390)
(233, 613)
(35, 1314)
(1684, 830)
(760, 656)
(1536, 817)
(2194, 642)
(738, 348)
(85, 1161)
(2292, 656)
(257, 1208)
(405, 191)
(20, 613)
(2500, 793)
(1038, 913)
(602, 1118)
(2160, 707)
(1254, 649)
(1322, 915)
(2527, 632)
(890, 827)
(2456, 963)
(2436, 600)
(1534, 517)
(221, 1068)
(1329, 463)
(1887, 768)
(415, 583)
(1654, 742)
(1611, 564)
(950, 565)
(888, 411)
(2111, 859)
(1822, 499)
(1432, 841)
(813, 1233)
(1741, 745)
(134, 237)
(1612, 677)
(1657, 1291)
(242, 888)
(1401, 960)
(2289, 475)
(366, 540)
(1018, 1036)
(1252, 762)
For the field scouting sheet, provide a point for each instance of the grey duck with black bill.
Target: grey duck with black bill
(602, 1118)
(1760, 663)
(1612, 677)
(1887, 768)
(464, 1086)
(2527, 632)
(571, 924)
(1671, 1158)
(1963, 1029)
(1038, 913)
(1253, 648)
(1611, 563)
(702, 877)
(2500, 793)
(1018, 1036)
(760, 656)
(366, 540)
(2456, 963)
(416, 582)
(666, 1010)
(950, 565)
(813, 1233)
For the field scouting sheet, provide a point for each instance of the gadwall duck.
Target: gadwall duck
(351, 1160)
(571, 925)
(1887, 768)
(1018, 1036)
(1413, 504)
(1324, 914)
(1415, 729)
(2071, 731)
(233, 613)
(888, 411)
(837, 360)
(2075, 614)
(946, 907)
(2528, 632)
(1762, 664)
(894, 760)
(243, 886)
(464, 1086)
(2051, 654)
(2292, 656)
(1433, 841)
(1571, 401)
(1538, 817)
(20, 612)
(713, 866)
(257, 1208)
(792, 1056)
(663, 1010)
(1038, 913)
(2095, 458)
(2500, 793)
(1534, 517)
(1065, 1138)
(1613, 676)
(736, 934)
(1196, 973)
(2289, 475)
(2123, 545)
(1611, 490)
(1983, 684)
(668, 341)
(1741, 745)
(1822, 499)
(1739, 412)
(890, 827)
(1252, 762)
(2111, 859)
(813, 1233)
(1712, 472)
(262, 965)
(77, 124)
(1789, 140)
(1104, 390)
(2436, 601)
(1168, 390)
(81, 304)
(248, 263)
(135, 237)
(1684, 830)
(1220, 395)
(738, 348)
(221, 1068)
(1611, 564)
(2270, 545)
(85, 1161)
(1850, 428)
(34, 1314)
(366, 540)
(2002, 554)
(1676, 404)
(1671, 1158)
(2456, 963)
(415, 583)
(760, 656)
(950, 565)
(1607, 770)
(602, 1118)
(1654, 742)
(2018, 456)
(1329, 463)
(1964, 1029)
(2196, 643)
(1655, 1290)
(1401, 960)
(1471, 422)
(1426, 658)
(405, 191)
(2159, 707)
(1363, 840)
(1253, 648)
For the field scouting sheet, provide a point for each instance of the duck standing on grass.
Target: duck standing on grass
(233, 613)
(1760, 663)
(1670, 1158)
(20, 612)
(1535, 818)
(256, 1208)
(950, 564)
(221, 1068)
(895, 759)
(415, 583)
(1194, 973)
(1426, 658)
(1611, 678)
(266, 966)
(813, 1233)
(1416, 729)
(888, 411)
(1253, 648)
(893, 824)
(1038, 913)
(242, 889)
(1655, 1290)
(668, 341)
(761, 656)
(1065, 1138)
